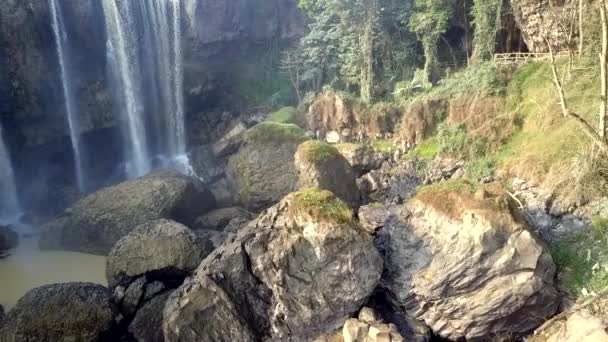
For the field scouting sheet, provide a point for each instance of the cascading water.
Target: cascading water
(61, 43)
(122, 54)
(9, 202)
(146, 55)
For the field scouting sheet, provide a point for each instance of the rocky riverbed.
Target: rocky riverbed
(351, 245)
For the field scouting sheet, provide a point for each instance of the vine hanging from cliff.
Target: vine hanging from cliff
(487, 21)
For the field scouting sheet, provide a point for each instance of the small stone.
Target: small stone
(369, 316)
(355, 330)
(332, 137)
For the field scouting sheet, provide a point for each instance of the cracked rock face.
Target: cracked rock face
(288, 275)
(467, 268)
(540, 19)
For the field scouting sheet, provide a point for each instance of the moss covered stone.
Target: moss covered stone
(454, 198)
(320, 204)
(283, 115)
(316, 151)
(273, 132)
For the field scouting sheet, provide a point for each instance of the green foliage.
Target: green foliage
(356, 45)
(584, 262)
(484, 77)
(427, 150)
(272, 132)
(429, 21)
(384, 146)
(479, 168)
(316, 151)
(452, 140)
(459, 186)
(256, 78)
(486, 14)
(321, 204)
(283, 115)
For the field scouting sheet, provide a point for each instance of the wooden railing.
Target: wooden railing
(521, 57)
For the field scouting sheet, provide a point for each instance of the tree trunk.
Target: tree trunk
(604, 74)
(587, 128)
(581, 27)
(367, 50)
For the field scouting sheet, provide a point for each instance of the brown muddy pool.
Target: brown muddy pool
(28, 267)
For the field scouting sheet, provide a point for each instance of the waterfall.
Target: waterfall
(9, 202)
(146, 57)
(123, 57)
(61, 43)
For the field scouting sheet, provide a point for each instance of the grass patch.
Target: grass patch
(480, 168)
(316, 151)
(450, 197)
(320, 204)
(427, 150)
(460, 186)
(384, 146)
(584, 262)
(283, 115)
(272, 132)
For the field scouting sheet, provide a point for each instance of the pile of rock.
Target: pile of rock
(145, 266)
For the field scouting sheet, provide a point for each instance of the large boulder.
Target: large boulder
(295, 273)
(542, 21)
(320, 165)
(155, 248)
(263, 170)
(60, 312)
(95, 223)
(465, 265)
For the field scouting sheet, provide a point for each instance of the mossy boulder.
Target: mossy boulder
(263, 171)
(463, 259)
(95, 223)
(321, 165)
(61, 312)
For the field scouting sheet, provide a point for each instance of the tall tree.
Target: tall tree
(429, 22)
(487, 21)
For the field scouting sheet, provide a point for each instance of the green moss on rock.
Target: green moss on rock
(321, 204)
(283, 115)
(274, 132)
(316, 151)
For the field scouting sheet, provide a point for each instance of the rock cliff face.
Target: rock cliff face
(540, 19)
(27, 52)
